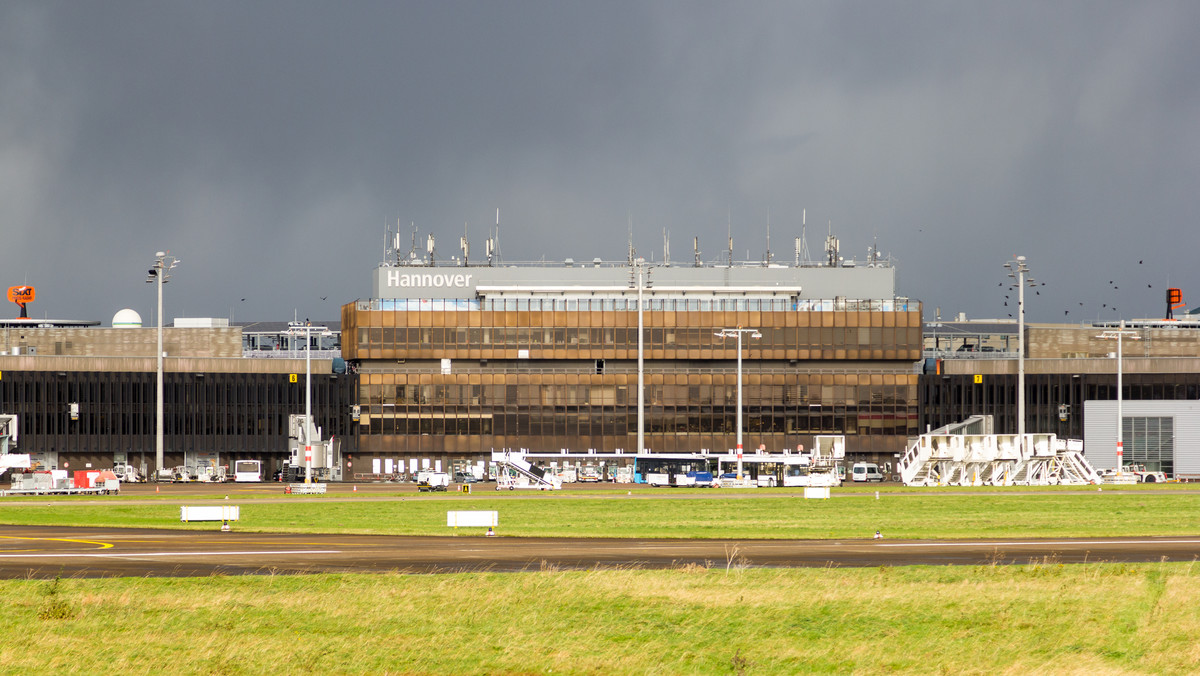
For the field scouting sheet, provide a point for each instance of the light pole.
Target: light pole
(306, 329)
(158, 275)
(641, 385)
(1017, 269)
(728, 333)
(1110, 335)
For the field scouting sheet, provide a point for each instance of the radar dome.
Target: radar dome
(127, 319)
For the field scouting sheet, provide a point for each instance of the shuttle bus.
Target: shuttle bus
(247, 471)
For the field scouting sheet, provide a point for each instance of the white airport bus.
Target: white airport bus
(247, 471)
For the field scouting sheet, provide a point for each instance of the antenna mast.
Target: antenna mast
(767, 262)
(729, 228)
(831, 247)
(464, 245)
(803, 253)
(696, 249)
(631, 250)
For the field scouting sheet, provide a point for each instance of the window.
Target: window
(1149, 442)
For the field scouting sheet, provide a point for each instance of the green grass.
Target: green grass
(676, 515)
(1038, 618)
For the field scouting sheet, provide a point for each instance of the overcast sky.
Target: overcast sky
(270, 144)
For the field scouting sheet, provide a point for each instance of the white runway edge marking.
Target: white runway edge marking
(116, 555)
(1039, 543)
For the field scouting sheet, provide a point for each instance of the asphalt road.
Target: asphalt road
(46, 552)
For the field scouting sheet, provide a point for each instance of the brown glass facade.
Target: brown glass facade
(550, 374)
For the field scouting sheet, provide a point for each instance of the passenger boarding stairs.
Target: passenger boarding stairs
(944, 458)
(515, 460)
(8, 439)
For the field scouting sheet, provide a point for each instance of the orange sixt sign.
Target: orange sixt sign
(21, 294)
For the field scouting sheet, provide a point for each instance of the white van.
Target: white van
(865, 471)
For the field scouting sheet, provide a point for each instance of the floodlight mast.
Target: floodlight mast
(158, 275)
(729, 333)
(641, 385)
(1017, 270)
(306, 329)
(1117, 335)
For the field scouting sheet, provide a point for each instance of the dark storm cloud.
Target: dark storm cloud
(270, 144)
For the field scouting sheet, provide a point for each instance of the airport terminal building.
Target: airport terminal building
(454, 361)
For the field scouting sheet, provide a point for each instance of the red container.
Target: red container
(85, 478)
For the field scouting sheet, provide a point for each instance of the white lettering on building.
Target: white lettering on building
(418, 279)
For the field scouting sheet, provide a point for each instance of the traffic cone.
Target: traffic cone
(156, 489)
(356, 489)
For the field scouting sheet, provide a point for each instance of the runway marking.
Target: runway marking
(1037, 543)
(116, 555)
(102, 545)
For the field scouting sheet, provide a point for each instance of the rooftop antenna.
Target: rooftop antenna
(429, 246)
(496, 244)
(831, 247)
(696, 249)
(767, 262)
(666, 248)
(412, 253)
(396, 242)
(631, 249)
(804, 254)
(464, 245)
(729, 228)
(873, 251)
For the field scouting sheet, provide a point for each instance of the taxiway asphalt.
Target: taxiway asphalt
(47, 552)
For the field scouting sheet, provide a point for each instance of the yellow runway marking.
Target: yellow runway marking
(100, 545)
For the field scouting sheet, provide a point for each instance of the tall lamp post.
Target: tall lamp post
(730, 333)
(307, 330)
(641, 385)
(1117, 335)
(158, 275)
(1017, 269)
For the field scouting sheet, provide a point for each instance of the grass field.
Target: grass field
(643, 514)
(1037, 618)
(1009, 619)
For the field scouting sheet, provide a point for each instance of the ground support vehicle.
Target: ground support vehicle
(514, 471)
(433, 481)
(865, 471)
(589, 474)
(56, 482)
(247, 471)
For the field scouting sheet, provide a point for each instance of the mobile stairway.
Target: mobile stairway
(509, 463)
(8, 441)
(949, 457)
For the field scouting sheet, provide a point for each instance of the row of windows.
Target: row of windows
(452, 447)
(548, 395)
(630, 304)
(1053, 402)
(116, 411)
(892, 420)
(514, 338)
